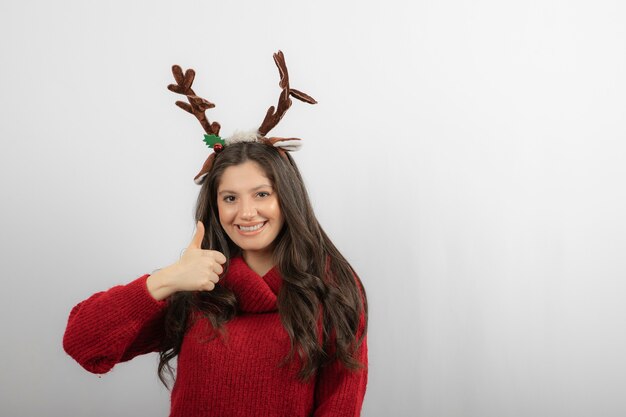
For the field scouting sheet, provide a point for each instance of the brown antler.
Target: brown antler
(197, 105)
(273, 115)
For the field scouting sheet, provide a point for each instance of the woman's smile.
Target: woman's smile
(251, 230)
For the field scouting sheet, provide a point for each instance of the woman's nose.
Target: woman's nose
(248, 210)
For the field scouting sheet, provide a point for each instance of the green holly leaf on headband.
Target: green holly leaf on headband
(211, 140)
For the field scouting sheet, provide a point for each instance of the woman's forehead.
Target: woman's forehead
(248, 176)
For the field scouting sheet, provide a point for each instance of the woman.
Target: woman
(264, 314)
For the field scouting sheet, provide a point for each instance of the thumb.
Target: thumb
(196, 242)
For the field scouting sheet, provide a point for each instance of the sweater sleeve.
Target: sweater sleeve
(114, 326)
(339, 391)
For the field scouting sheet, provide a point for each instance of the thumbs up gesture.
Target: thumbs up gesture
(197, 270)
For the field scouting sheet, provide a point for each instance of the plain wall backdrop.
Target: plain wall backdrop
(467, 157)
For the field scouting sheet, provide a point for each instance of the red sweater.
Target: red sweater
(233, 377)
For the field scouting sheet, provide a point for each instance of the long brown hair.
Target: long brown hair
(318, 282)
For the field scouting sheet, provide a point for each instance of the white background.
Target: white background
(466, 156)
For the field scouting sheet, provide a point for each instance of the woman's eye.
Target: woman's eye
(263, 194)
(229, 199)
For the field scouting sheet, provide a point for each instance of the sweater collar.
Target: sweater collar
(255, 293)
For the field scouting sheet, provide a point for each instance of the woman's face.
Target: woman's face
(248, 207)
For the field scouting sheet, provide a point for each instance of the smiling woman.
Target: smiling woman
(264, 315)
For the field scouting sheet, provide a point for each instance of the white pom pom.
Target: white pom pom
(243, 136)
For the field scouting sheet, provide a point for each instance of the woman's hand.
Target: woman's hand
(197, 270)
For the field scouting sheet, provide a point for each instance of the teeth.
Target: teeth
(252, 228)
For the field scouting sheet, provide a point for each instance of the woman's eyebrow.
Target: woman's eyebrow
(253, 189)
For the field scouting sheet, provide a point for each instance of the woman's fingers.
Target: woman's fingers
(207, 286)
(213, 254)
(219, 257)
(217, 268)
(201, 267)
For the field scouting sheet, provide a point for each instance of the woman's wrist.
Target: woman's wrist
(160, 283)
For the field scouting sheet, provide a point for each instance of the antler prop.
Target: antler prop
(196, 106)
(274, 114)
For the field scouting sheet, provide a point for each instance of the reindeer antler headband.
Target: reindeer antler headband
(197, 106)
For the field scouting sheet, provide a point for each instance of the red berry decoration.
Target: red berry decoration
(218, 147)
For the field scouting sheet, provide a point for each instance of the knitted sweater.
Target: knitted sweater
(235, 376)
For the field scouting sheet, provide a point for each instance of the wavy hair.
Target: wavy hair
(322, 302)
